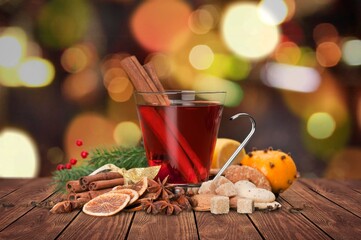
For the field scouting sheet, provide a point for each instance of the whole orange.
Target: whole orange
(277, 166)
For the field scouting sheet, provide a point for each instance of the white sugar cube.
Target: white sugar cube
(219, 205)
(245, 205)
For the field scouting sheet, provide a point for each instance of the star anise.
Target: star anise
(160, 189)
(167, 207)
(184, 202)
(149, 207)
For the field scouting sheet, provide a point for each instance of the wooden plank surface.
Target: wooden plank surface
(39, 224)
(311, 209)
(19, 202)
(329, 217)
(148, 226)
(285, 224)
(89, 227)
(7, 185)
(225, 226)
(336, 192)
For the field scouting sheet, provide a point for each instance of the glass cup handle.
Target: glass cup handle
(243, 144)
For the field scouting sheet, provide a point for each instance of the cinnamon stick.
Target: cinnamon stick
(149, 68)
(88, 194)
(102, 184)
(68, 206)
(74, 186)
(100, 176)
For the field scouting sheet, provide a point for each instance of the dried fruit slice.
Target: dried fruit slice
(106, 204)
(223, 150)
(134, 195)
(140, 186)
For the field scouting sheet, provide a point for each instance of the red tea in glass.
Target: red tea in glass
(180, 137)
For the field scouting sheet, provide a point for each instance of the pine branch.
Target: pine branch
(121, 157)
(60, 178)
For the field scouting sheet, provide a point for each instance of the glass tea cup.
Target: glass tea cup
(179, 131)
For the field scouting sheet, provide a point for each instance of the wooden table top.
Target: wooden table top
(311, 209)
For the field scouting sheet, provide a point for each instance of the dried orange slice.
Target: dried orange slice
(140, 186)
(106, 204)
(132, 194)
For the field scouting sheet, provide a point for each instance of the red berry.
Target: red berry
(84, 154)
(72, 161)
(68, 166)
(79, 142)
(60, 167)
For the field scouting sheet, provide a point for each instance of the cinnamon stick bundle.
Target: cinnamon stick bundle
(68, 206)
(102, 184)
(88, 194)
(74, 186)
(144, 79)
(100, 176)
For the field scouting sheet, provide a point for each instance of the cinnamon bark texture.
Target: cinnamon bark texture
(68, 206)
(100, 176)
(74, 186)
(97, 185)
(88, 194)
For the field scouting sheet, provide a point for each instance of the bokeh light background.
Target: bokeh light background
(293, 64)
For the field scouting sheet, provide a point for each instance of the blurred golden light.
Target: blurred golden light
(120, 89)
(127, 134)
(308, 57)
(112, 61)
(329, 99)
(111, 73)
(94, 129)
(9, 77)
(210, 83)
(351, 52)
(358, 110)
(36, 72)
(55, 155)
(201, 57)
(288, 53)
(62, 23)
(229, 66)
(325, 32)
(290, 77)
(245, 33)
(162, 64)
(321, 125)
(203, 19)
(81, 86)
(19, 155)
(161, 25)
(76, 58)
(291, 6)
(328, 54)
(345, 164)
(273, 12)
(11, 51)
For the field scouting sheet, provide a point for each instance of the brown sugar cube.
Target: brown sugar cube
(221, 180)
(207, 187)
(219, 205)
(226, 189)
(203, 202)
(245, 205)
